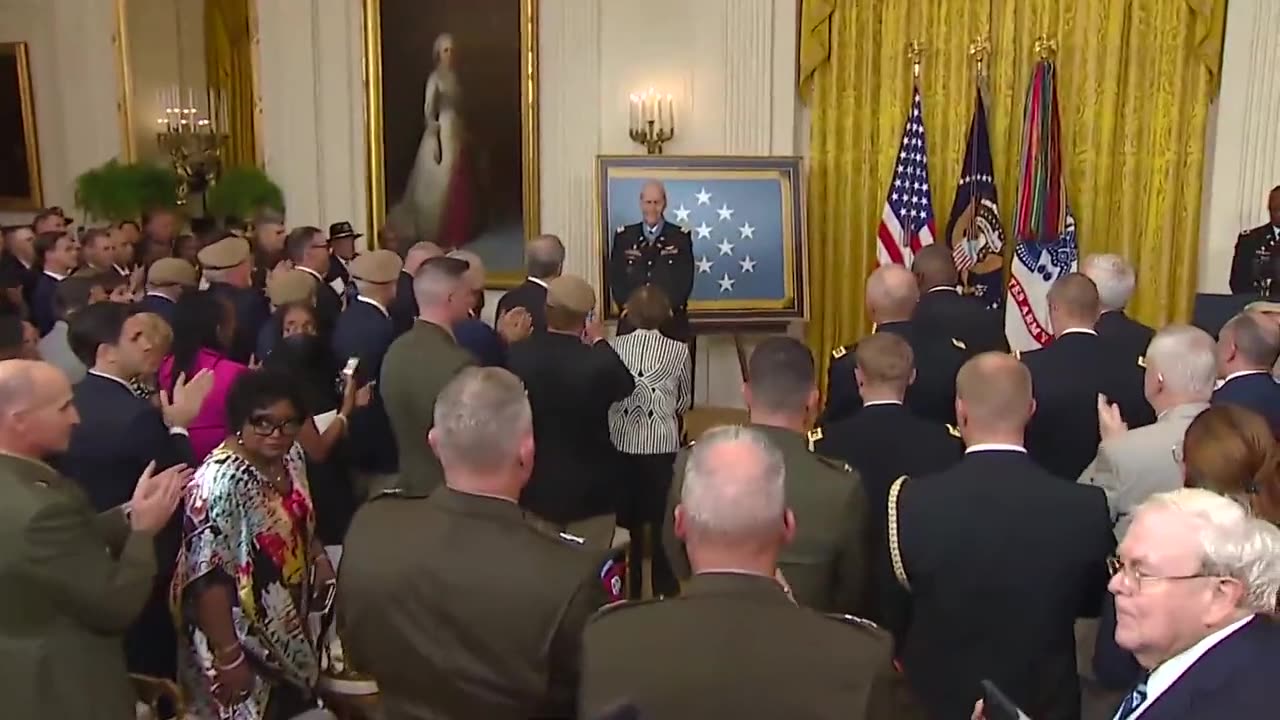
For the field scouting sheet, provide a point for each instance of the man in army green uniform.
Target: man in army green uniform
(71, 581)
(826, 564)
(458, 604)
(420, 363)
(734, 645)
(1253, 265)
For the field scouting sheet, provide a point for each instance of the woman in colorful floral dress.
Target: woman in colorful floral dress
(251, 571)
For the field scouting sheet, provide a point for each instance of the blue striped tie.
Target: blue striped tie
(1132, 701)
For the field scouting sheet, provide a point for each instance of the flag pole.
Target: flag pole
(978, 51)
(915, 51)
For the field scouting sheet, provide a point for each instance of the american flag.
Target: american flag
(907, 224)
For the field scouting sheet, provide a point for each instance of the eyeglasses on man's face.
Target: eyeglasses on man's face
(1135, 579)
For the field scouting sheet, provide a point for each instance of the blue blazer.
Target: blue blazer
(42, 314)
(159, 305)
(1235, 679)
(1257, 392)
(362, 331)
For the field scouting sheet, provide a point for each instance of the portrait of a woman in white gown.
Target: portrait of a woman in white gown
(437, 203)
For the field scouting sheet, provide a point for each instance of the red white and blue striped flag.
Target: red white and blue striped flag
(907, 223)
(1045, 230)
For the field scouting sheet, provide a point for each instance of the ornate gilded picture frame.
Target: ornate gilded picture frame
(745, 218)
(451, 114)
(20, 188)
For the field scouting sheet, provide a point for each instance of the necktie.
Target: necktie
(1132, 701)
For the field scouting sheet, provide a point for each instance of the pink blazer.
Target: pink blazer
(209, 428)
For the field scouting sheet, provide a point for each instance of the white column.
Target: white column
(1243, 143)
(288, 86)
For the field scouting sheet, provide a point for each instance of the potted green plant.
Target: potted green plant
(241, 192)
(117, 191)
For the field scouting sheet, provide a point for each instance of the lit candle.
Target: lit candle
(651, 107)
(633, 113)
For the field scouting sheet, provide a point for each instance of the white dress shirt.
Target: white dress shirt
(1004, 447)
(381, 308)
(1163, 677)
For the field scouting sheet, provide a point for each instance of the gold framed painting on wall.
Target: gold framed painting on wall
(451, 112)
(19, 151)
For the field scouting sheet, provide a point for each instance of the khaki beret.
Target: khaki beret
(224, 254)
(572, 293)
(173, 271)
(290, 286)
(380, 267)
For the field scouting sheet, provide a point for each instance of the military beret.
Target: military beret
(173, 271)
(572, 293)
(224, 254)
(290, 286)
(380, 267)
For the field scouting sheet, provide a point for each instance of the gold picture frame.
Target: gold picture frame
(376, 191)
(33, 199)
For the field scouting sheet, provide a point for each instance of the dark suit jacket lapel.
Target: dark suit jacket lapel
(1198, 684)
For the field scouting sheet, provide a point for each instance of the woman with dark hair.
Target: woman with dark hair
(1231, 450)
(203, 325)
(251, 569)
(328, 402)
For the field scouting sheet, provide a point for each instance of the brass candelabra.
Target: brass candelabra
(653, 120)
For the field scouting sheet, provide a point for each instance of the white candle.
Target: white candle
(633, 114)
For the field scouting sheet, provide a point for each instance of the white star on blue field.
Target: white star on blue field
(736, 226)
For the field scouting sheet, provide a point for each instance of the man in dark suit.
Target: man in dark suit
(419, 364)
(267, 239)
(891, 298)
(1253, 267)
(228, 266)
(545, 259)
(365, 331)
(1195, 589)
(404, 310)
(653, 252)
(488, 343)
(504, 641)
(308, 249)
(1248, 346)
(572, 377)
(944, 312)
(1000, 559)
(167, 279)
(57, 253)
(883, 442)
(683, 657)
(119, 435)
(71, 579)
(1070, 373)
(1115, 279)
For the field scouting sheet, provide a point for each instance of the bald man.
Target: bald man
(653, 251)
(71, 580)
(891, 298)
(1070, 373)
(544, 257)
(999, 558)
(945, 311)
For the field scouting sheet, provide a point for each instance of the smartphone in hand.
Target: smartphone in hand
(997, 706)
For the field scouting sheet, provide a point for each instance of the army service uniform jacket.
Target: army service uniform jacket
(71, 583)
(826, 562)
(666, 262)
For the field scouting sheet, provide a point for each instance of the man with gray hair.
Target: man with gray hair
(1132, 465)
(653, 251)
(1116, 279)
(1248, 345)
(685, 658)
(483, 617)
(1195, 584)
(544, 257)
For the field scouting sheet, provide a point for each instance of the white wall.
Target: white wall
(1243, 144)
(74, 79)
(166, 49)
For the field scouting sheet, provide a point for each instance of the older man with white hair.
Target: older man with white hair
(684, 657)
(1132, 465)
(1195, 584)
(1116, 279)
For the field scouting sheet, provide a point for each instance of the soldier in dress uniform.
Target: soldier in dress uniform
(365, 331)
(892, 295)
(734, 644)
(342, 248)
(944, 311)
(653, 252)
(1070, 373)
(826, 563)
(228, 266)
(504, 640)
(1253, 267)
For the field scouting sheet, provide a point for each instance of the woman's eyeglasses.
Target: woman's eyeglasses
(264, 426)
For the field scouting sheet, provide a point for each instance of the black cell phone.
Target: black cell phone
(997, 706)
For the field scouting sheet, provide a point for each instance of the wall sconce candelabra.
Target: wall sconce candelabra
(193, 142)
(653, 120)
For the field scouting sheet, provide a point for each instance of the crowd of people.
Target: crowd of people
(254, 459)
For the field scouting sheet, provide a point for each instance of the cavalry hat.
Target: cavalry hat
(572, 293)
(173, 271)
(380, 267)
(227, 253)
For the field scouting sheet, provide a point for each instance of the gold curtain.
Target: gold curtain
(228, 47)
(1135, 78)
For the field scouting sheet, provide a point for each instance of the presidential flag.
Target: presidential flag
(1043, 225)
(907, 223)
(974, 230)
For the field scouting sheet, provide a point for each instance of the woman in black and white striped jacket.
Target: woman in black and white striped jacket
(646, 426)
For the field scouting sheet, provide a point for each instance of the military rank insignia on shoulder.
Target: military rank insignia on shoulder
(569, 537)
(620, 229)
(620, 605)
(1142, 361)
(854, 620)
(953, 430)
(959, 343)
(840, 352)
(814, 436)
(1017, 354)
